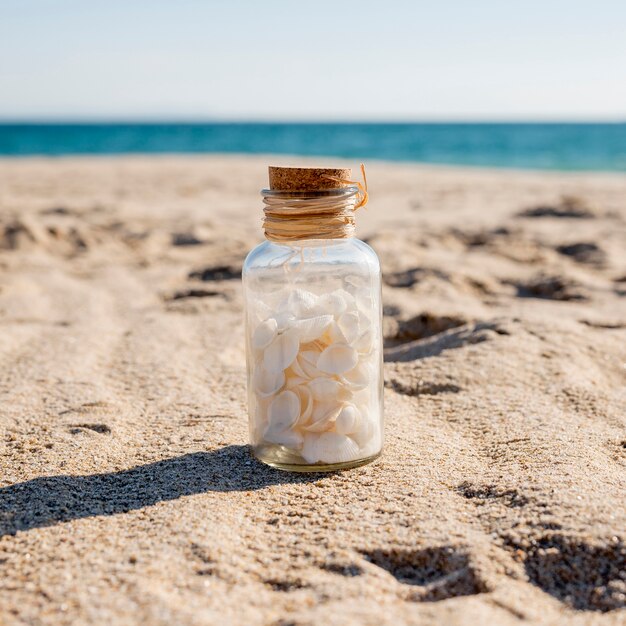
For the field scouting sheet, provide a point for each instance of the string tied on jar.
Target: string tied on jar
(301, 204)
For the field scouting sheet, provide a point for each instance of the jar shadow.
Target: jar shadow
(50, 500)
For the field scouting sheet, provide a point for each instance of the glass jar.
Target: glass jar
(313, 340)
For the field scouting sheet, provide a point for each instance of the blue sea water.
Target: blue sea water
(544, 146)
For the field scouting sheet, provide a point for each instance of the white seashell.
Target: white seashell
(280, 354)
(283, 320)
(264, 334)
(373, 444)
(365, 343)
(309, 329)
(348, 420)
(295, 381)
(261, 311)
(288, 438)
(364, 300)
(365, 430)
(349, 326)
(267, 383)
(284, 410)
(337, 359)
(324, 388)
(301, 303)
(310, 450)
(363, 434)
(306, 404)
(310, 356)
(323, 416)
(347, 297)
(359, 377)
(334, 333)
(333, 303)
(256, 357)
(330, 448)
(361, 398)
(296, 369)
(307, 360)
(365, 321)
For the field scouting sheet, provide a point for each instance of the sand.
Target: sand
(127, 493)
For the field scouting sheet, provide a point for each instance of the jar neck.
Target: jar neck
(300, 215)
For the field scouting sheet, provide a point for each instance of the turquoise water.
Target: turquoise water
(547, 146)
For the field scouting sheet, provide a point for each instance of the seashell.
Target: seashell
(365, 430)
(267, 383)
(306, 404)
(284, 410)
(310, 451)
(309, 329)
(334, 334)
(365, 343)
(315, 347)
(333, 303)
(349, 326)
(362, 397)
(295, 381)
(288, 438)
(348, 420)
(324, 388)
(347, 297)
(280, 354)
(264, 334)
(337, 359)
(329, 448)
(364, 300)
(364, 319)
(296, 369)
(373, 444)
(301, 303)
(307, 360)
(363, 434)
(323, 416)
(283, 320)
(359, 377)
(261, 311)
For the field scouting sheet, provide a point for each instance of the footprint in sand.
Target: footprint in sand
(480, 494)
(583, 575)
(184, 294)
(457, 337)
(432, 574)
(421, 326)
(549, 288)
(102, 429)
(587, 253)
(217, 273)
(567, 207)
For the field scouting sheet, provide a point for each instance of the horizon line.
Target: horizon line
(188, 120)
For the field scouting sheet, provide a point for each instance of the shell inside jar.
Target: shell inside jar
(314, 376)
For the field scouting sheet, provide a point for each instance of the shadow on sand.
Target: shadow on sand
(50, 500)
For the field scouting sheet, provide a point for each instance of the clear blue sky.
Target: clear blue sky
(341, 59)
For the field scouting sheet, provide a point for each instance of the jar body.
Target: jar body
(314, 353)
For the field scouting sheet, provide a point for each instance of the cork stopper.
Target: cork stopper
(307, 178)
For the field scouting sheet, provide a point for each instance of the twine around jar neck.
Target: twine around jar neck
(318, 214)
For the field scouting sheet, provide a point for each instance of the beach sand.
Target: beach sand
(127, 493)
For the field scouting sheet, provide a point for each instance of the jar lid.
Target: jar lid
(307, 178)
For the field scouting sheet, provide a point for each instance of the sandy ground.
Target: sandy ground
(127, 494)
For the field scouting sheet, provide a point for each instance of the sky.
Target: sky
(396, 60)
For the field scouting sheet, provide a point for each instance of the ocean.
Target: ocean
(539, 146)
